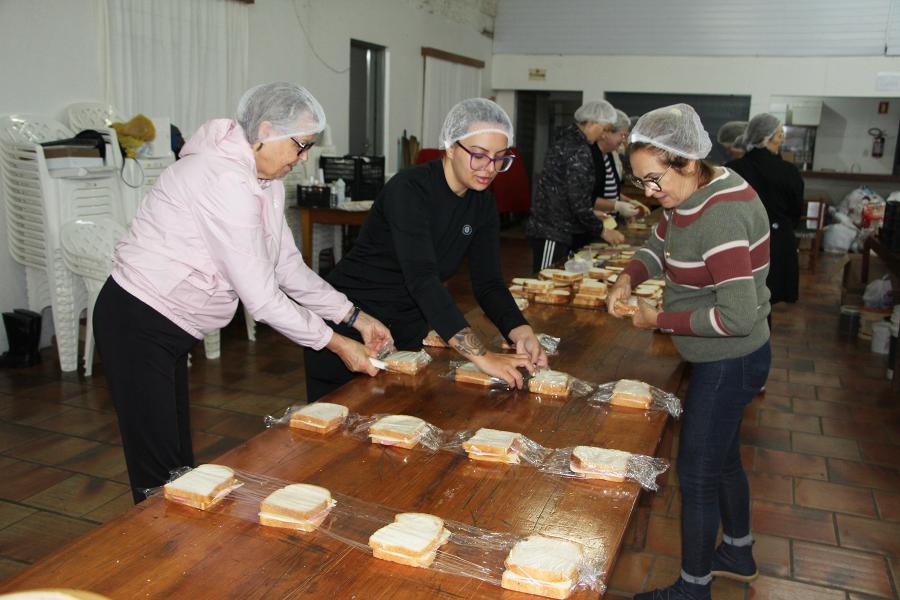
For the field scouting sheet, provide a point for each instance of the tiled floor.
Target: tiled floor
(821, 447)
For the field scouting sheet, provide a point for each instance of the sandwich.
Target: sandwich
(469, 373)
(433, 340)
(299, 506)
(406, 361)
(588, 301)
(534, 286)
(599, 463)
(561, 275)
(550, 382)
(627, 308)
(518, 291)
(412, 539)
(543, 566)
(398, 430)
(320, 417)
(553, 297)
(521, 303)
(645, 290)
(202, 487)
(593, 287)
(628, 392)
(493, 445)
(599, 273)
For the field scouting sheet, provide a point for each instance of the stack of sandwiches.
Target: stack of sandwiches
(549, 382)
(628, 392)
(554, 296)
(406, 361)
(299, 506)
(591, 294)
(398, 430)
(599, 273)
(433, 340)
(599, 463)
(561, 276)
(543, 566)
(493, 445)
(413, 539)
(320, 417)
(202, 487)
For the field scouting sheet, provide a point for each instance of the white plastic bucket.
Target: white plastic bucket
(881, 337)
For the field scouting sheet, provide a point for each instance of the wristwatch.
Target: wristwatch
(353, 316)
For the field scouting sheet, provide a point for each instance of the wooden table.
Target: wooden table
(892, 261)
(310, 216)
(163, 550)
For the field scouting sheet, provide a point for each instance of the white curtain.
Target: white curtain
(181, 59)
(446, 83)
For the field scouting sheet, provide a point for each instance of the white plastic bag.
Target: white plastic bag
(879, 293)
(838, 237)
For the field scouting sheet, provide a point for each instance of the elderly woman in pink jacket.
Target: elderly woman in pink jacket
(212, 231)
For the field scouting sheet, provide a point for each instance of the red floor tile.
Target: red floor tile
(790, 463)
(822, 445)
(834, 497)
(770, 588)
(796, 522)
(869, 534)
(793, 422)
(837, 567)
(858, 473)
(888, 505)
(774, 488)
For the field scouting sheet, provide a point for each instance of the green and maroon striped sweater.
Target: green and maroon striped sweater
(714, 253)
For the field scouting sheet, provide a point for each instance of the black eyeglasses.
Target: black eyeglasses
(301, 148)
(479, 160)
(649, 183)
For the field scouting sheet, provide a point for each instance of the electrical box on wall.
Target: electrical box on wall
(537, 74)
(806, 113)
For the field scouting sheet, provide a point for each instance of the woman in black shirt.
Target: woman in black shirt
(425, 221)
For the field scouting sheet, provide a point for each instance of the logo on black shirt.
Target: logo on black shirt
(467, 229)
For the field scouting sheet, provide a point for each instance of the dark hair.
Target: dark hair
(706, 170)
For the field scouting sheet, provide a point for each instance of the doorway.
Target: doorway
(367, 74)
(538, 116)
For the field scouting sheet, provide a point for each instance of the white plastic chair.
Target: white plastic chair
(87, 249)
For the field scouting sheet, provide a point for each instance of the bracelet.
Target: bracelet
(353, 316)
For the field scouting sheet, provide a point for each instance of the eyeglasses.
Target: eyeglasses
(301, 148)
(649, 183)
(479, 161)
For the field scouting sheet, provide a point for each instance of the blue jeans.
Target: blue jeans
(713, 484)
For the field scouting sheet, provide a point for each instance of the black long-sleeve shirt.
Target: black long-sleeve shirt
(778, 183)
(414, 239)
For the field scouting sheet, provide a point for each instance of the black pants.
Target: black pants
(545, 253)
(144, 357)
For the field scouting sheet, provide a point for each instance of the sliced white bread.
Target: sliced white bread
(559, 590)
(299, 506)
(406, 361)
(433, 340)
(599, 463)
(412, 539)
(469, 373)
(554, 297)
(202, 487)
(320, 417)
(398, 430)
(493, 445)
(546, 559)
(547, 381)
(628, 392)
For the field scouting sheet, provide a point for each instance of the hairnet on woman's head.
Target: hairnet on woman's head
(730, 131)
(473, 116)
(622, 120)
(676, 129)
(760, 130)
(598, 111)
(290, 108)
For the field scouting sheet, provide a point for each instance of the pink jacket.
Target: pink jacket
(209, 232)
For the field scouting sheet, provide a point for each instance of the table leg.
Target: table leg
(306, 235)
(864, 271)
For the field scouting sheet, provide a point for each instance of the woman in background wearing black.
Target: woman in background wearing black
(424, 223)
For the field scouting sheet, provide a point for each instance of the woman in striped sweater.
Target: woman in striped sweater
(712, 245)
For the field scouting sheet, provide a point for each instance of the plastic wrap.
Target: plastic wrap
(178, 473)
(431, 439)
(529, 451)
(642, 469)
(404, 361)
(459, 369)
(470, 551)
(574, 387)
(660, 399)
(285, 418)
(549, 343)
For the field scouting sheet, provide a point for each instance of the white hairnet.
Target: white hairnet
(290, 108)
(730, 131)
(474, 116)
(676, 128)
(760, 130)
(598, 111)
(622, 120)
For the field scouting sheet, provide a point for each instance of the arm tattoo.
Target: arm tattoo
(467, 343)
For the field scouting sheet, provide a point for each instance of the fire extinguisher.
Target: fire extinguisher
(877, 142)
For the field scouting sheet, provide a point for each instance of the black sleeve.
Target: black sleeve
(488, 285)
(580, 188)
(411, 232)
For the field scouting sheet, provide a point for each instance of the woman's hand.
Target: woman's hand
(505, 367)
(618, 293)
(527, 344)
(611, 236)
(375, 335)
(354, 355)
(646, 316)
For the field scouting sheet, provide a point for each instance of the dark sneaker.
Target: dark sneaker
(734, 562)
(680, 590)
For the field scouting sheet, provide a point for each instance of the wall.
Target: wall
(44, 68)
(280, 49)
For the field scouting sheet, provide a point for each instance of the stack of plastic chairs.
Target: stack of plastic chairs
(87, 249)
(37, 205)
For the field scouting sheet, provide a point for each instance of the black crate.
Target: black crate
(317, 196)
(364, 175)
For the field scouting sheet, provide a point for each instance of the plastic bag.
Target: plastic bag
(578, 264)
(661, 400)
(404, 362)
(642, 469)
(285, 418)
(879, 293)
(838, 237)
(431, 438)
(574, 387)
(862, 205)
